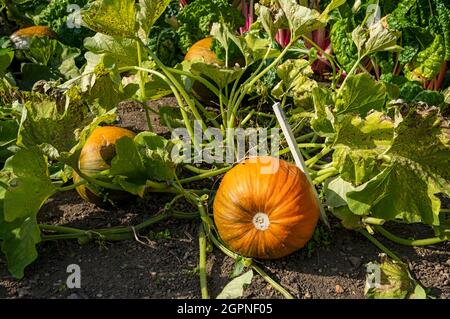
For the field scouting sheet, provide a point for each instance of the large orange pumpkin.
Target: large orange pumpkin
(265, 208)
(96, 156)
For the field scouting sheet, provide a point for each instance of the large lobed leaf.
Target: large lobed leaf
(358, 145)
(360, 95)
(419, 168)
(147, 157)
(26, 187)
(111, 17)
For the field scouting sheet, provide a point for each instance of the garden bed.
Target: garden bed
(333, 267)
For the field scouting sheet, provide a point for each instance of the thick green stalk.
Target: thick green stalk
(202, 80)
(353, 69)
(142, 96)
(180, 88)
(205, 175)
(302, 145)
(313, 160)
(202, 263)
(409, 242)
(383, 248)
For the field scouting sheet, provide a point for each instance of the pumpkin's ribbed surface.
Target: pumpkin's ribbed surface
(202, 50)
(40, 31)
(96, 156)
(265, 215)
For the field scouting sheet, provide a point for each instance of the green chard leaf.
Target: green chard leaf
(443, 13)
(419, 168)
(343, 47)
(427, 64)
(28, 187)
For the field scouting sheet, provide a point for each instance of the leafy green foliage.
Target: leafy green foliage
(392, 280)
(360, 95)
(56, 15)
(196, 19)
(295, 82)
(164, 43)
(359, 143)
(27, 188)
(111, 17)
(54, 127)
(427, 64)
(235, 288)
(147, 157)
(6, 57)
(418, 169)
(343, 46)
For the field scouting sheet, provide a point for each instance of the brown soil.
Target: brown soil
(166, 268)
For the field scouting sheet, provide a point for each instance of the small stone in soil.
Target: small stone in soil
(307, 295)
(355, 261)
(339, 289)
(73, 296)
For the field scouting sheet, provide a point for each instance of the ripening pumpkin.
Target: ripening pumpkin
(21, 38)
(265, 208)
(202, 50)
(96, 156)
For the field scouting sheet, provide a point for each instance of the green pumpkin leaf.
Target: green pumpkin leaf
(122, 51)
(51, 126)
(148, 11)
(419, 168)
(301, 20)
(6, 57)
(323, 120)
(295, 82)
(147, 157)
(8, 132)
(128, 161)
(359, 143)
(391, 280)
(111, 17)
(25, 188)
(155, 151)
(360, 95)
(376, 38)
(235, 288)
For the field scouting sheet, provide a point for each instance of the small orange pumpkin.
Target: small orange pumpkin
(265, 208)
(21, 38)
(96, 156)
(201, 50)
